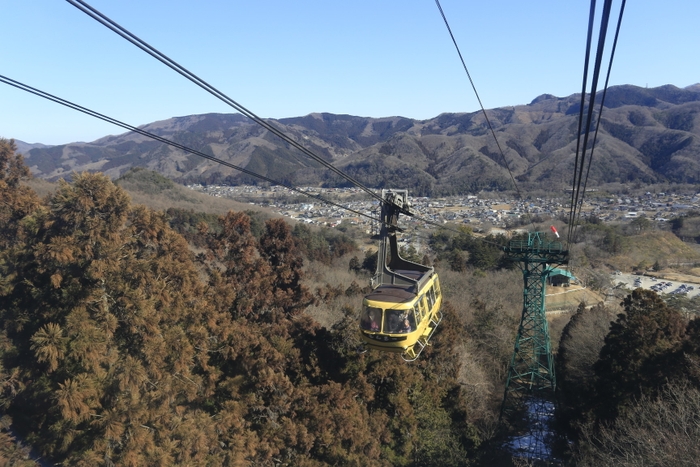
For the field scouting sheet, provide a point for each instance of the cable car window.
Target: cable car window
(437, 287)
(431, 298)
(418, 313)
(399, 322)
(421, 304)
(371, 319)
(409, 324)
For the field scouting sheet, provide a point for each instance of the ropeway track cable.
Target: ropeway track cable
(122, 32)
(602, 101)
(483, 110)
(92, 113)
(142, 132)
(591, 106)
(577, 195)
(589, 39)
(113, 26)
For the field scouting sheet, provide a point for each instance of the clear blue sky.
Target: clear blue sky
(279, 58)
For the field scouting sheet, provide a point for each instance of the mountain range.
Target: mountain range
(646, 135)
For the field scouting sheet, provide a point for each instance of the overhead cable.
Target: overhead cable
(483, 110)
(591, 104)
(584, 83)
(602, 100)
(142, 132)
(119, 30)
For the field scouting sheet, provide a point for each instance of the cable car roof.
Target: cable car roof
(391, 293)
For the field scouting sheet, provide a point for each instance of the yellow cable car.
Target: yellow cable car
(402, 311)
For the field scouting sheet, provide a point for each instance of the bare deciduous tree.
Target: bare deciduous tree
(655, 431)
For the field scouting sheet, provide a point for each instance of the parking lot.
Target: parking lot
(661, 286)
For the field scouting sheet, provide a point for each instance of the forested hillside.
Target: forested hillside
(629, 391)
(121, 347)
(134, 337)
(646, 136)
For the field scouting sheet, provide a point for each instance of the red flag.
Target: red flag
(554, 229)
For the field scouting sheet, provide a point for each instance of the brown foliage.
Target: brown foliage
(17, 199)
(245, 276)
(630, 391)
(639, 338)
(278, 248)
(579, 349)
(119, 347)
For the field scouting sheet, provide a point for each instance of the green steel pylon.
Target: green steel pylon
(531, 370)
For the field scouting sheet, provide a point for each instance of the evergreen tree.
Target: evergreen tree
(278, 248)
(647, 330)
(109, 331)
(117, 347)
(354, 265)
(17, 200)
(579, 349)
(369, 263)
(246, 275)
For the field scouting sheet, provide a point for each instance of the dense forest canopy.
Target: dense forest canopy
(134, 337)
(120, 346)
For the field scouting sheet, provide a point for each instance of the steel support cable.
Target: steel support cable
(125, 34)
(92, 113)
(584, 83)
(126, 126)
(483, 110)
(594, 86)
(119, 30)
(602, 100)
